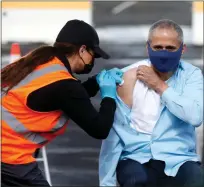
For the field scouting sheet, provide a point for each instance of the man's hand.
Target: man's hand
(147, 75)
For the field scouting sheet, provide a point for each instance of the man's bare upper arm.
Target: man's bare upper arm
(126, 90)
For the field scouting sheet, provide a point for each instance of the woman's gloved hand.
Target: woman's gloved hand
(117, 74)
(107, 84)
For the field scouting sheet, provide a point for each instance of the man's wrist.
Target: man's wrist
(161, 88)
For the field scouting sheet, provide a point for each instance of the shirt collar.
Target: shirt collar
(181, 64)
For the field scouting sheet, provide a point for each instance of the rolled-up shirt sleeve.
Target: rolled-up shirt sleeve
(188, 105)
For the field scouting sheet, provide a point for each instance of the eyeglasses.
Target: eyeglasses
(90, 54)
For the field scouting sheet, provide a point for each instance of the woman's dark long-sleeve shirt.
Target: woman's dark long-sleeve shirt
(73, 98)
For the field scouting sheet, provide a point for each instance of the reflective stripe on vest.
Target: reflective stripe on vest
(38, 73)
(17, 126)
(60, 123)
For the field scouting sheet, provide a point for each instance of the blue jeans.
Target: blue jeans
(151, 174)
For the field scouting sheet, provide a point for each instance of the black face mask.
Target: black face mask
(87, 67)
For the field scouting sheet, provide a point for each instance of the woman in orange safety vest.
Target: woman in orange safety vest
(40, 94)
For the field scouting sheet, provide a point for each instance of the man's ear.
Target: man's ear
(82, 49)
(184, 49)
(147, 49)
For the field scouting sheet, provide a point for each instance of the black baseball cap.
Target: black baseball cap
(79, 32)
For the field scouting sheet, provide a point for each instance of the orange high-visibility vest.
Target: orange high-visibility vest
(23, 129)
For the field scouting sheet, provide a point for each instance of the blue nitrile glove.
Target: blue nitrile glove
(107, 84)
(117, 74)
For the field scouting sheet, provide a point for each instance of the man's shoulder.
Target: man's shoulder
(188, 67)
(188, 70)
(136, 64)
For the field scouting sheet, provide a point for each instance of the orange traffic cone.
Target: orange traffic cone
(15, 53)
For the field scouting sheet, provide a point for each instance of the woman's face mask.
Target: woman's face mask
(163, 60)
(87, 66)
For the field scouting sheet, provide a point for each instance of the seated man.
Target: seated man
(153, 142)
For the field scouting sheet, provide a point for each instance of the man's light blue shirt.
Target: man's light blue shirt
(173, 139)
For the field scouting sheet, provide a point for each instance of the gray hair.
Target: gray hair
(166, 23)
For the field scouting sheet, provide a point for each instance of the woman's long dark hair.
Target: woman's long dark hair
(13, 73)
